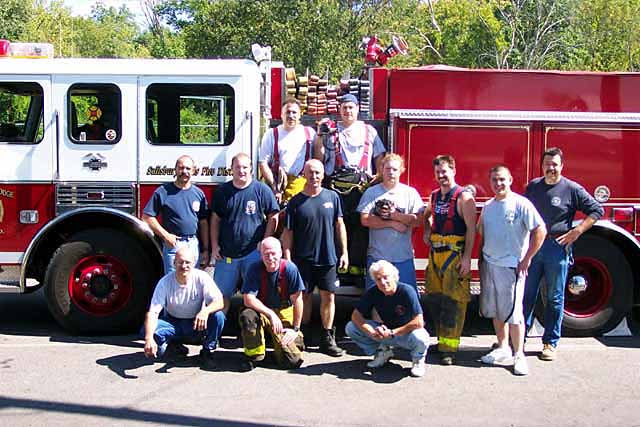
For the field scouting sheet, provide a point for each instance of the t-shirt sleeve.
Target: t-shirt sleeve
(294, 280)
(154, 205)
(338, 205)
(203, 213)
(218, 202)
(587, 204)
(366, 202)
(266, 147)
(159, 298)
(378, 146)
(252, 285)
(271, 204)
(531, 216)
(416, 204)
(209, 289)
(414, 303)
(365, 303)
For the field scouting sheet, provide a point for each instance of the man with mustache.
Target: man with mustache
(284, 150)
(557, 199)
(183, 210)
(452, 233)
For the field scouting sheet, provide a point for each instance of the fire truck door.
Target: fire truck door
(97, 128)
(210, 118)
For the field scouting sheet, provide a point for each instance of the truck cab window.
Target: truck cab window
(189, 114)
(95, 113)
(21, 112)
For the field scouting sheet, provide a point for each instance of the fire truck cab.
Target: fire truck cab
(84, 143)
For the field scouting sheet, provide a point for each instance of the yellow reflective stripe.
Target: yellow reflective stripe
(261, 349)
(449, 342)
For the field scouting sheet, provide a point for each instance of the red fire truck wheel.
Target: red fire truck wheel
(599, 290)
(99, 281)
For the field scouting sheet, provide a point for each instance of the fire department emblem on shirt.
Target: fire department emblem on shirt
(195, 205)
(250, 209)
(555, 201)
(400, 310)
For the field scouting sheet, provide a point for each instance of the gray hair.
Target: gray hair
(383, 266)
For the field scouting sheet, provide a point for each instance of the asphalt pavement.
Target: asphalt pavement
(48, 377)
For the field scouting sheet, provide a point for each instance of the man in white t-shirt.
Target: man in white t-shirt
(512, 232)
(186, 305)
(284, 151)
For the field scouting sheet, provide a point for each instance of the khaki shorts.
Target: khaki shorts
(501, 293)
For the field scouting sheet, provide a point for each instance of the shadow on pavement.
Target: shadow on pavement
(356, 370)
(119, 413)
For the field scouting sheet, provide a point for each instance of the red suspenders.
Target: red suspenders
(364, 160)
(276, 153)
(282, 284)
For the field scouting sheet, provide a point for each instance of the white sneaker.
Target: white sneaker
(520, 366)
(419, 368)
(383, 354)
(497, 356)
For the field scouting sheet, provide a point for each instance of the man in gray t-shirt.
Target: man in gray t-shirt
(186, 305)
(390, 210)
(512, 232)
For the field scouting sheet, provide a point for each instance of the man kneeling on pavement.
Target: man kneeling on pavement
(272, 298)
(402, 323)
(186, 306)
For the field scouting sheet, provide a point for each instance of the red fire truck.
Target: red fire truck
(85, 142)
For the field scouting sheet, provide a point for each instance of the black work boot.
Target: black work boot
(328, 343)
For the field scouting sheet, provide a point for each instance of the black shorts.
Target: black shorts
(325, 277)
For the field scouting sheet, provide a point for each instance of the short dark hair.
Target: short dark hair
(291, 100)
(498, 168)
(554, 151)
(444, 158)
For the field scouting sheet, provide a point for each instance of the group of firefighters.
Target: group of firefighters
(522, 239)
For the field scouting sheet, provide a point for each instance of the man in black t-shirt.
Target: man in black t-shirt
(402, 323)
(313, 218)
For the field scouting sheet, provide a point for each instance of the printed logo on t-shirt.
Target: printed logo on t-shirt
(555, 201)
(327, 205)
(195, 205)
(400, 310)
(510, 216)
(250, 209)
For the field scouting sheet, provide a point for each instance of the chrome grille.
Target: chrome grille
(116, 195)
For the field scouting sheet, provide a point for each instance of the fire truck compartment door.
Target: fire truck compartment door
(97, 129)
(27, 131)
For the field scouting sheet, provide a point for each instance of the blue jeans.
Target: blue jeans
(172, 328)
(230, 273)
(417, 341)
(406, 269)
(551, 262)
(169, 254)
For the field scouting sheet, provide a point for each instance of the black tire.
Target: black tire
(91, 243)
(592, 249)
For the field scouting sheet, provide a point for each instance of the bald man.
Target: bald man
(313, 220)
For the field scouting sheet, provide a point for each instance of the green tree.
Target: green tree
(14, 14)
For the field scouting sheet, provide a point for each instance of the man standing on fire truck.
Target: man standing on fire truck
(284, 151)
(390, 210)
(355, 144)
(451, 233)
(183, 210)
(244, 212)
(557, 199)
(313, 221)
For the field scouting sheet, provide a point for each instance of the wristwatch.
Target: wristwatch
(296, 328)
(393, 335)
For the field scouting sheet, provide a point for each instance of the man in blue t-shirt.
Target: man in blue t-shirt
(244, 212)
(313, 218)
(402, 323)
(182, 208)
(272, 296)
(557, 199)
